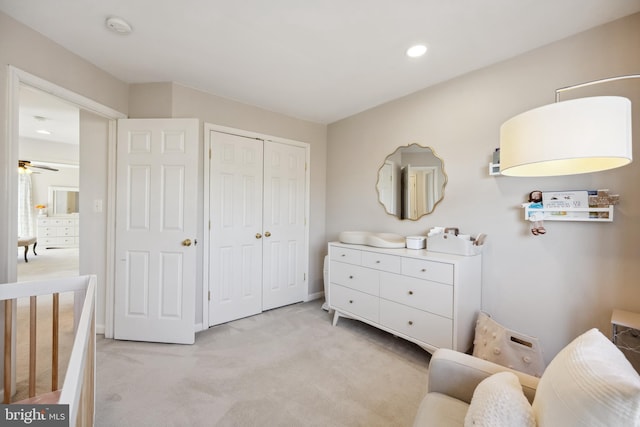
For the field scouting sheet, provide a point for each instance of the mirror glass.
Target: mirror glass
(64, 201)
(411, 182)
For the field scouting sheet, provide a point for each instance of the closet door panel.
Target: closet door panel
(235, 264)
(284, 224)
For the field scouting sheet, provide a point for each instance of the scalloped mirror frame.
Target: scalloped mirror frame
(425, 172)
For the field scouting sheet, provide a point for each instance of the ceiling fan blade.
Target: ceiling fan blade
(49, 168)
(25, 164)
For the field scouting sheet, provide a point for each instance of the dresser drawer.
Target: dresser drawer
(355, 277)
(354, 302)
(47, 231)
(434, 297)
(428, 270)
(43, 242)
(66, 231)
(351, 256)
(382, 262)
(423, 326)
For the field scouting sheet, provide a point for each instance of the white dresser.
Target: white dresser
(58, 232)
(429, 298)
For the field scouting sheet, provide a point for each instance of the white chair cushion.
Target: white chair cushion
(440, 410)
(498, 401)
(589, 383)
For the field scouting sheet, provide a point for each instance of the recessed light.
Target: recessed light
(118, 25)
(43, 132)
(416, 51)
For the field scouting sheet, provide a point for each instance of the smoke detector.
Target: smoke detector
(118, 25)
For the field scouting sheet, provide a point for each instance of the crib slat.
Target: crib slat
(33, 319)
(8, 305)
(54, 338)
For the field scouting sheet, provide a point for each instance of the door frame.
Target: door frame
(208, 127)
(16, 77)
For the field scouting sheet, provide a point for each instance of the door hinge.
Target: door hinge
(209, 295)
(305, 277)
(209, 153)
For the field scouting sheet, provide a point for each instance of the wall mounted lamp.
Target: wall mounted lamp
(570, 137)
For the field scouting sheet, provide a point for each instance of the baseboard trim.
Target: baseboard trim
(314, 296)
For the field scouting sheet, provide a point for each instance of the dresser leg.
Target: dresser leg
(336, 316)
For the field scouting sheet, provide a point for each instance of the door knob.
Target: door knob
(267, 234)
(186, 242)
(258, 236)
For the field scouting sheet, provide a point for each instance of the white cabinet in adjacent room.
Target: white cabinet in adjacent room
(58, 232)
(429, 298)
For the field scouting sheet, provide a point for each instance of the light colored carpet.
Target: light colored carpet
(49, 263)
(285, 367)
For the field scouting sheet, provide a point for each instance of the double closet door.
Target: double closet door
(257, 240)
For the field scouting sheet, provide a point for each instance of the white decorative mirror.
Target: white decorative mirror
(411, 182)
(64, 201)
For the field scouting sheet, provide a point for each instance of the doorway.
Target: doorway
(97, 184)
(48, 179)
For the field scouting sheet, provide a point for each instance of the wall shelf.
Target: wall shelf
(494, 169)
(564, 214)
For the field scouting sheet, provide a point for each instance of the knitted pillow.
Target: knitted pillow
(589, 383)
(497, 344)
(498, 401)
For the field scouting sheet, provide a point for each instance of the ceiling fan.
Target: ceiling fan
(26, 166)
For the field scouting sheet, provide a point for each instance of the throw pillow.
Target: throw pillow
(588, 383)
(498, 401)
(497, 344)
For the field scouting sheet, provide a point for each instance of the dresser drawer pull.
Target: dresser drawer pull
(424, 270)
(410, 292)
(410, 322)
(378, 262)
(350, 301)
(343, 255)
(350, 277)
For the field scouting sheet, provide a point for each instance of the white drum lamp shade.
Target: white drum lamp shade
(566, 138)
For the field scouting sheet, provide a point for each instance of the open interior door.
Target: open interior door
(156, 217)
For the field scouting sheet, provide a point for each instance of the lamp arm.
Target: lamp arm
(594, 82)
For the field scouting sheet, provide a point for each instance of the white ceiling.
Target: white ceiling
(41, 111)
(318, 60)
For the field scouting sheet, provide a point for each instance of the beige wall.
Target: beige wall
(553, 286)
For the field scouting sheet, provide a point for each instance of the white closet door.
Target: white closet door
(235, 258)
(284, 247)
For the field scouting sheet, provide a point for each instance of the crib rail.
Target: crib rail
(78, 390)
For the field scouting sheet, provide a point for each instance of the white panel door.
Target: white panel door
(284, 280)
(235, 264)
(156, 216)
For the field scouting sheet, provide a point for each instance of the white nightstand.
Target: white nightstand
(625, 327)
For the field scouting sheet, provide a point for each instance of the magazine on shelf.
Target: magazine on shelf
(566, 199)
